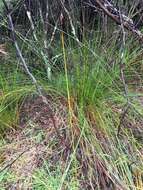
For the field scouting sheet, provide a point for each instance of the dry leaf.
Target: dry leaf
(2, 50)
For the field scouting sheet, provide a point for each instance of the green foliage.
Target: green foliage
(12, 91)
(45, 180)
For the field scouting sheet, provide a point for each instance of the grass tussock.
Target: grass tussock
(89, 136)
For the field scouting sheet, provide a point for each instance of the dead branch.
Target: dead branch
(13, 161)
(110, 10)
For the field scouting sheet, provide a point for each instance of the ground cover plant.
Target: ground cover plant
(71, 96)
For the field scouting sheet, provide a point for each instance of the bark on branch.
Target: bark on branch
(115, 14)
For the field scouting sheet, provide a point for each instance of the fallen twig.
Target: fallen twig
(13, 161)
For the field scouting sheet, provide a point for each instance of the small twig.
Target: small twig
(44, 55)
(13, 161)
(53, 33)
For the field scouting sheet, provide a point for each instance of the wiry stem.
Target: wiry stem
(70, 20)
(38, 87)
(44, 56)
(122, 66)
